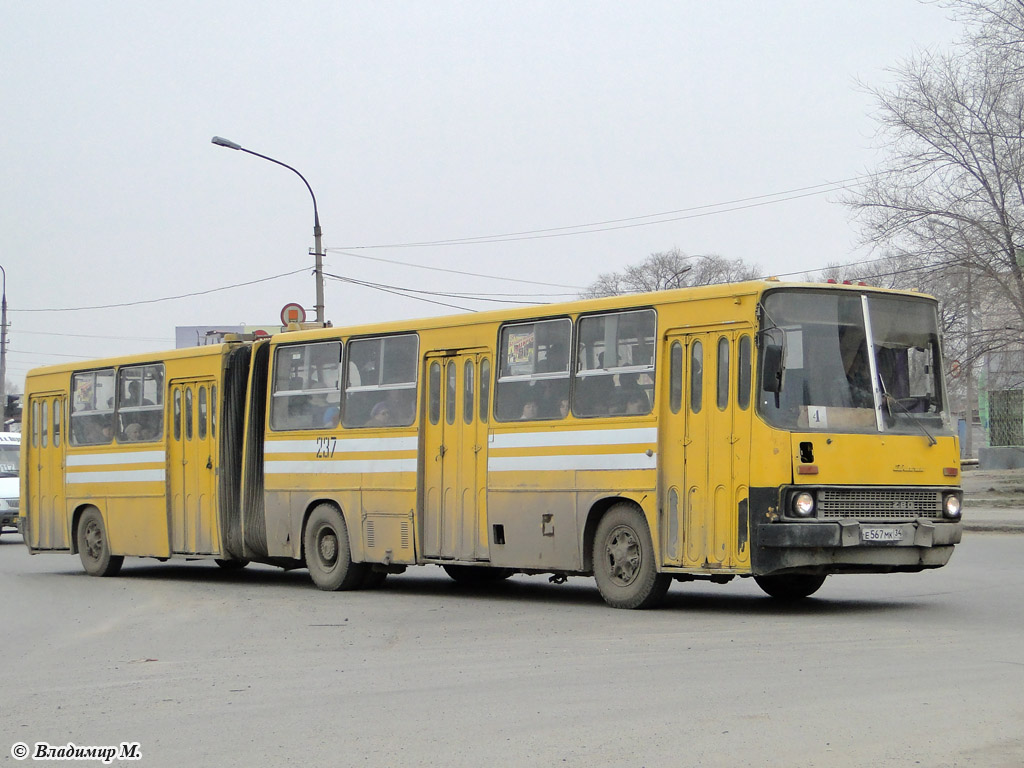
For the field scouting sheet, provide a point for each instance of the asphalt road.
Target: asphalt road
(202, 667)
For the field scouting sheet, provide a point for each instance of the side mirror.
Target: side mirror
(771, 370)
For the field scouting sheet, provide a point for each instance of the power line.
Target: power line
(397, 292)
(165, 298)
(446, 294)
(88, 336)
(450, 271)
(693, 212)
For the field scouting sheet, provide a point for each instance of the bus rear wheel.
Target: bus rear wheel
(624, 566)
(93, 547)
(790, 586)
(328, 555)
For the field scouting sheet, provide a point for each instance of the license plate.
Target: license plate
(881, 534)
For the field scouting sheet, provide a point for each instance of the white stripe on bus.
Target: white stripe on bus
(116, 476)
(578, 437)
(100, 459)
(583, 461)
(336, 467)
(343, 444)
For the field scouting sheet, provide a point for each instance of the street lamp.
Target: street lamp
(220, 142)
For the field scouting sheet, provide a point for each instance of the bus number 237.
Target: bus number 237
(325, 447)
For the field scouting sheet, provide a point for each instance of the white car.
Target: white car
(10, 455)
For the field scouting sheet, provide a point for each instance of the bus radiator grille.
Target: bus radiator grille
(879, 503)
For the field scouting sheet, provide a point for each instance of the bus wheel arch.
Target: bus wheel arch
(92, 543)
(624, 561)
(327, 549)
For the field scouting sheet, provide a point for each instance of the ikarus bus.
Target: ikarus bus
(783, 432)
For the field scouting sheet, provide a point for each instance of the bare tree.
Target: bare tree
(671, 269)
(948, 204)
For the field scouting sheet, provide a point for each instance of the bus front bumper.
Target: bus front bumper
(853, 546)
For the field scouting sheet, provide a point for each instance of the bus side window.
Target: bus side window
(380, 388)
(92, 407)
(177, 413)
(485, 389)
(306, 386)
(743, 374)
(533, 370)
(468, 385)
(675, 396)
(615, 364)
(696, 377)
(723, 373)
(202, 412)
(435, 392)
(46, 419)
(56, 423)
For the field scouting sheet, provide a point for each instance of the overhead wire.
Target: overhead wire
(692, 212)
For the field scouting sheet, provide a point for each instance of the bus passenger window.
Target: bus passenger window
(434, 386)
(696, 377)
(675, 396)
(485, 388)
(743, 374)
(615, 364)
(92, 407)
(306, 388)
(380, 384)
(723, 373)
(533, 370)
(140, 406)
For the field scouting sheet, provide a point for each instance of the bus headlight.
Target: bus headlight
(803, 504)
(951, 506)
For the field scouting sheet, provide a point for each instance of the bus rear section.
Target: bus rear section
(133, 457)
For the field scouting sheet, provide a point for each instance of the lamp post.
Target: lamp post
(220, 142)
(3, 354)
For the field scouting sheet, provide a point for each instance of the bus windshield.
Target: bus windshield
(851, 363)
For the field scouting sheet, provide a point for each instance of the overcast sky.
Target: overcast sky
(415, 122)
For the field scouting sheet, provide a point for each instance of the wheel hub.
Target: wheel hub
(623, 552)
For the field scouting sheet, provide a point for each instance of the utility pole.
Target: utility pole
(3, 354)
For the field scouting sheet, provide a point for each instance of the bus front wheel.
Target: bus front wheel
(790, 586)
(93, 547)
(624, 566)
(328, 555)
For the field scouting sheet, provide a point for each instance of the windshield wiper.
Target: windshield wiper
(888, 399)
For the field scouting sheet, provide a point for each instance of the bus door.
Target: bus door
(191, 458)
(705, 450)
(455, 456)
(44, 470)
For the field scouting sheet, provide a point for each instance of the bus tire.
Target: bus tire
(93, 546)
(328, 555)
(624, 566)
(231, 565)
(476, 575)
(790, 586)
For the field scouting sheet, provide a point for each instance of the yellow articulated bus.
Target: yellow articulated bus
(784, 432)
